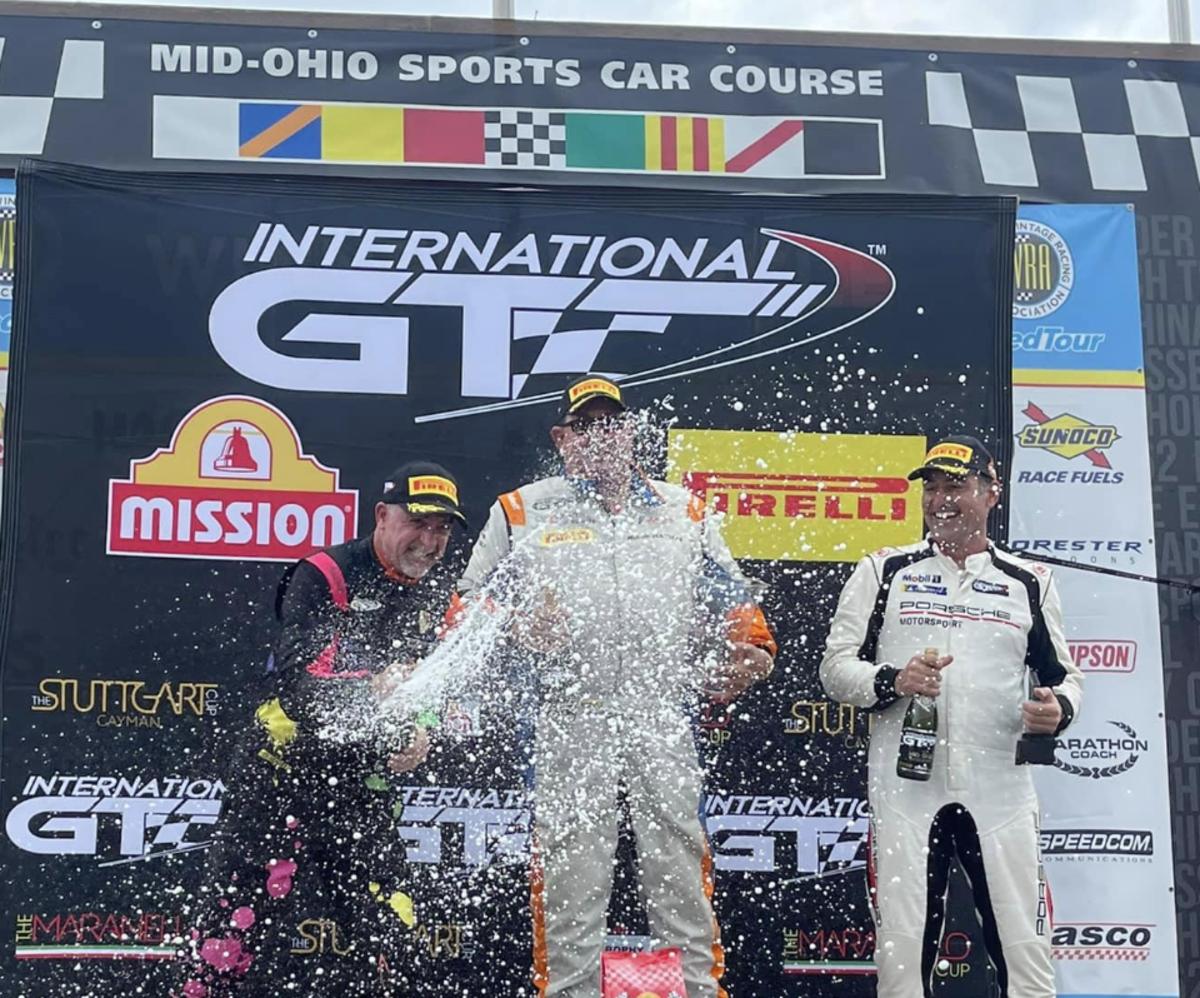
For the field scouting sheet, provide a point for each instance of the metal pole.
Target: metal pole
(1179, 21)
(502, 10)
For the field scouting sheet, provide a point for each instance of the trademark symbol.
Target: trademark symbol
(877, 249)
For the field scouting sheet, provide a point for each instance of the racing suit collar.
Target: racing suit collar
(974, 564)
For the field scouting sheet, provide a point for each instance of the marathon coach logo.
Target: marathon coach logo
(1098, 843)
(1116, 755)
(802, 496)
(99, 935)
(1104, 657)
(1101, 941)
(1042, 268)
(116, 819)
(235, 484)
(1067, 436)
(529, 308)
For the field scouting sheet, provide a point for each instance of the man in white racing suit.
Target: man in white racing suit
(994, 619)
(626, 588)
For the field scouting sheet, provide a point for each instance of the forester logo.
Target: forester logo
(529, 309)
(1067, 436)
(797, 496)
(116, 819)
(1105, 657)
(1043, 270)
(233, 483)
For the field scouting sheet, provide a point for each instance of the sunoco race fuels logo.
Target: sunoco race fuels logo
(1043, 270)
(528, 309)
(1067, 436)
(233, 483)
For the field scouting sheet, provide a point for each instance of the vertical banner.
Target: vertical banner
(1081, 491)
(8, 246)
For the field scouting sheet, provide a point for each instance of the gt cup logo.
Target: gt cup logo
(132, 818)
(1042, 268)
(341, 309)
(1118, 755)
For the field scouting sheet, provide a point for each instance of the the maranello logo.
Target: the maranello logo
(344, 309)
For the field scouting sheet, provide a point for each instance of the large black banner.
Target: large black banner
(335, 327)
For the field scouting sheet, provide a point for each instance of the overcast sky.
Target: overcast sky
(1114, 20)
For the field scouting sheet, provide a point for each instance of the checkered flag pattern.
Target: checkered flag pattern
(848, 850)
(525, 138)
(1050, 107)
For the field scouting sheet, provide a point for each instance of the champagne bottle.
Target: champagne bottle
(918, 737)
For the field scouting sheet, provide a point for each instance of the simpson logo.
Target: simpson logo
(132, 819)
(521, 303)
(1043, 270)
(572, 535)
(433, 485)
(233, 483)
(797, 496)
(1101, 941)
(1067, 436)
(1105, 657)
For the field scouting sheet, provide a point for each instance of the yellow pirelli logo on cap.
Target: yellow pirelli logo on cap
(433, 485)
(593, 386)
(955, 452)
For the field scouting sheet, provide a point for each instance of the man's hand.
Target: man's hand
(542, 627)
(746, 665)
(412, 755)
(384, 683)
(1043, 714)
(921, 677)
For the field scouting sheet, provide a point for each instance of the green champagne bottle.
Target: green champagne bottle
(918, 737)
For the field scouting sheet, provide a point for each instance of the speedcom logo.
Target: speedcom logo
(341, 309)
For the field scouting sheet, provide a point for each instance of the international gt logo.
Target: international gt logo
(341, 309)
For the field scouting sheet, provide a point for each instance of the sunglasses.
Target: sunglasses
(607, 422)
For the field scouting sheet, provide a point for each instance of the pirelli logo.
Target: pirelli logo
(802, 497)
(807, 496)
(433, 485)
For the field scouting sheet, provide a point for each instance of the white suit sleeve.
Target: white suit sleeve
(1050, 659)
(490, 549)
(847, 678)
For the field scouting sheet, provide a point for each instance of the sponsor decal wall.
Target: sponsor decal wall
(337, 96)
(794, 347)
(1081, 472)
